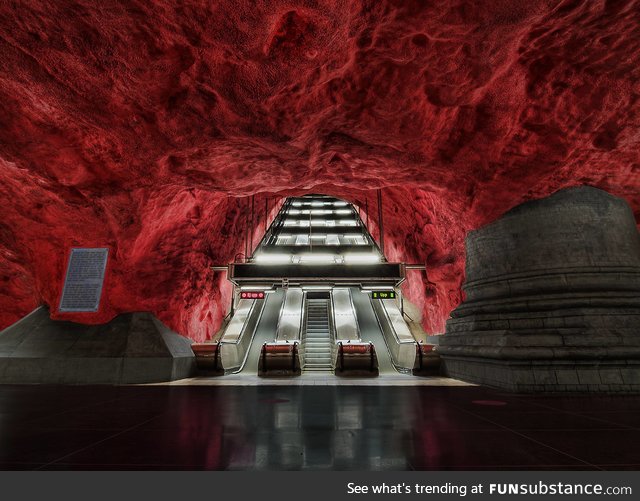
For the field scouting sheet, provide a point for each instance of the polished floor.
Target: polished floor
(317, 379)
(313, 427)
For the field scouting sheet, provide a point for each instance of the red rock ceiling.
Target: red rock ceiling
(145, 125)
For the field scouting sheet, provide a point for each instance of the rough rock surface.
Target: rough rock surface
(146, 125)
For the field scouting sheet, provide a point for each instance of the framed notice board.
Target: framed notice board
(84, 280)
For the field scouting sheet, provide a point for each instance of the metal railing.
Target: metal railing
(243, 343)
(303, 331)
(391, 338)
(332, 333)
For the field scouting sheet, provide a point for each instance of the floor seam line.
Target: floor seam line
(526, 437)
(97, 442)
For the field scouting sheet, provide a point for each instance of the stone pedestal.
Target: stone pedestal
(132, 348)
(552, 298)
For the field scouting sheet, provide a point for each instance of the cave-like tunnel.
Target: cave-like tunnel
(448, 192)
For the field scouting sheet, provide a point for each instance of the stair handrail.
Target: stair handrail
(355, 315)
(303, 330)
(332, 332)
(391, 326)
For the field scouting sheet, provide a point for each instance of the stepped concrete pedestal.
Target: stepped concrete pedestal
(552, 298)
(132, 348)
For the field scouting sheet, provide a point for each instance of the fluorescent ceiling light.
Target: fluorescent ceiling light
(317, 212)
(318, 258)
(272, 258)
(361, 258)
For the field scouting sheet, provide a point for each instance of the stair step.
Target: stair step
(316, 342)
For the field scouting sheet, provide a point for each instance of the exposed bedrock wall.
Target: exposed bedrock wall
(161, 243)
(552, 298)
(145, 126)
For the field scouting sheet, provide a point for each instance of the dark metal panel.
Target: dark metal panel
(320, 249)
(322, 230)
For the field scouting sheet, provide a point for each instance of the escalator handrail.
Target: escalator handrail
(245, 326)
(391, 326)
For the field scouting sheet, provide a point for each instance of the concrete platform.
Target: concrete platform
(132, 348)
(317, 380)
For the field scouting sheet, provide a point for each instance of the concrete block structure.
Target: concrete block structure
(132, 348)
(552, 298)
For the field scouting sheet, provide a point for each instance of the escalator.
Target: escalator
(370, 330)
(265, 332)
(316, 339)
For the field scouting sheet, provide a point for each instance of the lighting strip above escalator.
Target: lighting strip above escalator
(316, 258)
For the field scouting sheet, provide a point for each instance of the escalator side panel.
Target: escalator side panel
(264, 332)
(396, 333)
(290, 320)
(237, 336)
(370, 330)
(344, 318)
(406, 352)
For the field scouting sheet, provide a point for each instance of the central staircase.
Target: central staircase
(316, 341)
